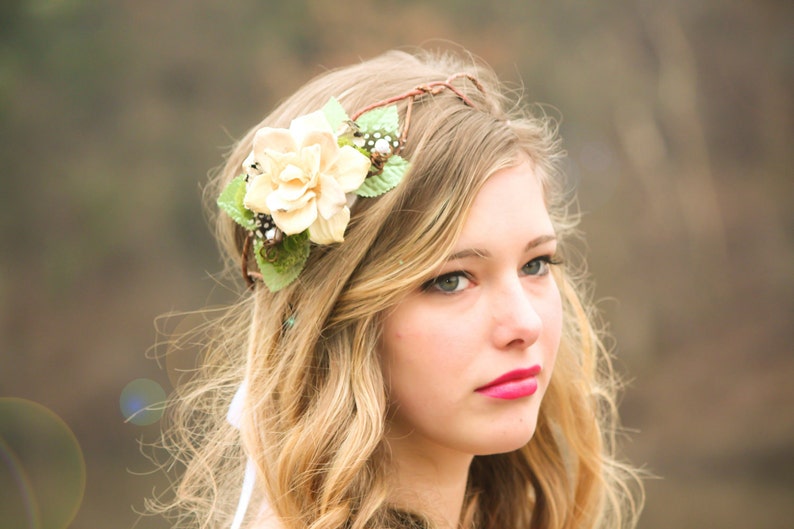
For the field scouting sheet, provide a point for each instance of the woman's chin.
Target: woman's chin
(507, 442)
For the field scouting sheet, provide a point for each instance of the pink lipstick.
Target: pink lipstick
(513, 384)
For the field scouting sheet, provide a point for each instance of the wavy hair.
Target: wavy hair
(317, 405)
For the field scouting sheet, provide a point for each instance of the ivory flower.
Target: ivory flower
(300, 177)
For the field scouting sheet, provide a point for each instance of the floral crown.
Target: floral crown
(299, 183)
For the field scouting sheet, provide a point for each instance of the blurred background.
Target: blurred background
(678, 120)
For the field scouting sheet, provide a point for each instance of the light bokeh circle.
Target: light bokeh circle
(142, 402)
(42, 468)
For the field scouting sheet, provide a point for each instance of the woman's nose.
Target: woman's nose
(516, 322)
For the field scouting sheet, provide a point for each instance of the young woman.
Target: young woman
(412, 350)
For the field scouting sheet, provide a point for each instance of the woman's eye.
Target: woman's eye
(539, 266)
(448, 283)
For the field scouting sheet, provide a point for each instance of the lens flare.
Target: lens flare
(142, 402)
(42, 469)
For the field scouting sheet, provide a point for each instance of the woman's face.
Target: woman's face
(468, 357)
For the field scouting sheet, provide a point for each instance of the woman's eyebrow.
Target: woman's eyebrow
(478, 252)
(538, 241)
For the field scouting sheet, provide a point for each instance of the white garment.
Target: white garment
(266, 518)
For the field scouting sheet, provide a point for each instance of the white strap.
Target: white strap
(235, 414)
(245, 496)
(235, 418)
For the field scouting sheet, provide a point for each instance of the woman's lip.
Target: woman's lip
(513, 384)
(516, 374)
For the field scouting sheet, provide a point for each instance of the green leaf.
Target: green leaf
(231, 201)
(335, 114)
(382, 119)
(289, 260)
(392, 173)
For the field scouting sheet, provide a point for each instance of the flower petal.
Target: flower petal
(330, 197)
(311, 159)
(303, 125)
(351, 168)
(328, 150)
(327, 231)
(282, 199)
(279, 140)
(271, 163)
(292, 175)
(257, 192)
(296, 220)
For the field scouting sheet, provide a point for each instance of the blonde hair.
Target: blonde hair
(317, 405)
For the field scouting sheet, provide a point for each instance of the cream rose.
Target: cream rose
(300, 177)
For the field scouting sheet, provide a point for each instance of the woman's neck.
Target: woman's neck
(430, 480)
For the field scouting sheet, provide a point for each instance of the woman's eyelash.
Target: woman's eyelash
(552, 260)
(432, 283)
(540, 266)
